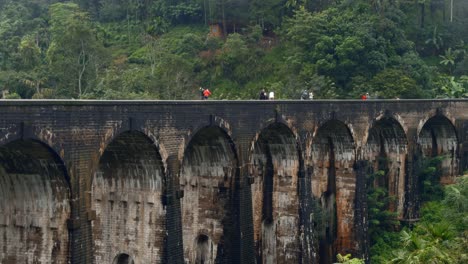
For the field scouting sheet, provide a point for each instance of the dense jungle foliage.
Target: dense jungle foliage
(167, 49)
(441, 233)
(440, 236)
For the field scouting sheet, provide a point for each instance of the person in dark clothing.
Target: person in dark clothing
(201, 93)
(263, 95)
(304, 95)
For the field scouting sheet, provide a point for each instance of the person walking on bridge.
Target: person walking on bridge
(263, 95)
(304, 95)
(201, 90)
(271, 95)
(206, 94)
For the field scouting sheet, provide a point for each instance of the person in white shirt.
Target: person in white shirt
(271, 95)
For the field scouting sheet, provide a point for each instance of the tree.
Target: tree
(422, 5)
(451, 11)
(347, 259)
(448, 59)
(451, 87)
(438, 237)
(234, 58)
(29, 52)
(344, 43)
(74, 53)
(266, 13)
(435, 41)
(381, 219)
(422, 248)
(394, 83)
(12, 25)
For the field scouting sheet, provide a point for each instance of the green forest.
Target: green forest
(167, 49)
(440, 234)
(439, 237)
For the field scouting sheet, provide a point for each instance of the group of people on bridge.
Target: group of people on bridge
(266, 95)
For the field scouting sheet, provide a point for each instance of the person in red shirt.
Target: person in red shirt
(365, 96)
(206, 94)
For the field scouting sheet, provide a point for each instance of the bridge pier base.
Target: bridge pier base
(362, 169)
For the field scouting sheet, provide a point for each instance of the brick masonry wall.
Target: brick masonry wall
(126, 198)
(79, 132)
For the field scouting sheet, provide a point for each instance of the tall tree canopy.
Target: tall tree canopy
(166, 49)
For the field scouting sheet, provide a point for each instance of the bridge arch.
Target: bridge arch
(275, 161)
(209, 171)
(334, 184)
(386, 148)
(123, 258)
(22, 131)
(215, 121)
(202, 246)
(385, 115)
(126, 195)
(438, 137)
(117, 129)
(433, 113)
(35, 203)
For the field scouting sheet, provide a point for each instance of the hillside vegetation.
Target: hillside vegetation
(167, 49)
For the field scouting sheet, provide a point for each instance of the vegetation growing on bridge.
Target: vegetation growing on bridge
(165, 50)
(381, 218)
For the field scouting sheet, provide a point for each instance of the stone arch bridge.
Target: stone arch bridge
(211, 181)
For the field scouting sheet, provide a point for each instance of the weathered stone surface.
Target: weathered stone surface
(386, 148)
(275, 166)
(207, 177)
(34, 205)
(126, 196)
(220, 181)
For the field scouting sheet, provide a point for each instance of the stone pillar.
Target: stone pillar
(308, 236)
(412, 191)
(462, 131)
(362, 169)
(80, 230)
(81, 175)
(245, 219)
(173, 250)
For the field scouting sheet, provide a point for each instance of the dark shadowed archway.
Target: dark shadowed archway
(123, 259)
(438, 138)
(126, 195)
(203, 250)
(334, 184)
(208, 174)
(275, 167)
(386, 148)
(34, 204)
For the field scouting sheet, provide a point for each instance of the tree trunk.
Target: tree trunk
(423, 14)
(451, 10)
(443, 13)
(223, 2)
(82, 61)
(204, 12)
